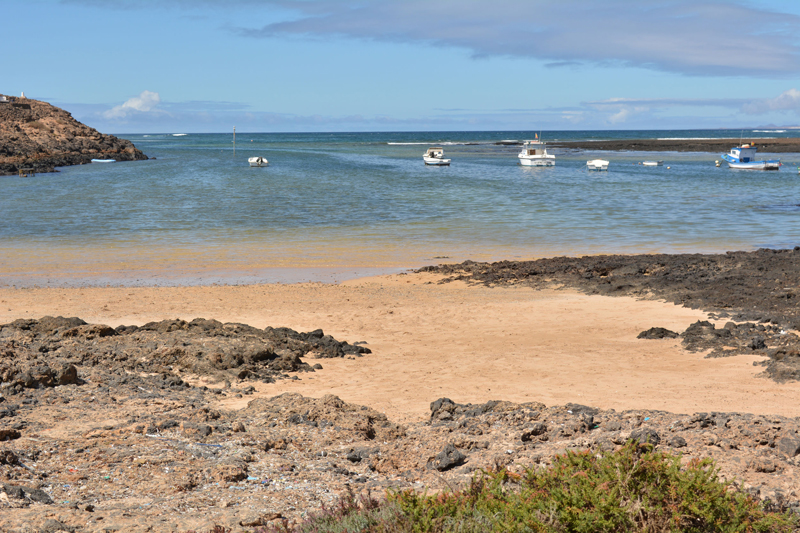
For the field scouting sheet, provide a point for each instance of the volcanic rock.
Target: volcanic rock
(446, 459)
(657, 333)
(40, 136)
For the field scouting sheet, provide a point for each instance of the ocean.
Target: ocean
(336, 205)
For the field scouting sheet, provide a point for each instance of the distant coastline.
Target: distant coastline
(772, 145)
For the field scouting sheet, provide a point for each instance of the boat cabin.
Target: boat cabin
(533, 148)
(435, 152)
(744, 153)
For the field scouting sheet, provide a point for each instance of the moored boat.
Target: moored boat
(435, 156)
(534, 154)
(597, 164)
(104, 160)
(257, 161)
(653, 163)
(743, 158)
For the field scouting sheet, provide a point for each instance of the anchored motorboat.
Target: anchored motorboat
(743, 157)
(258, 161)
(435, 156)
(653, 163)
(597, 164)
(534, 154)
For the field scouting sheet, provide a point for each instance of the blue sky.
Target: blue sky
(128, 66)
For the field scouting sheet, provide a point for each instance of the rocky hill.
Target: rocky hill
(37, 135)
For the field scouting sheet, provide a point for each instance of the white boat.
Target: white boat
(653, 163)
(104, 160)
(258, 161)
(534, 154)
(435, 156)
(597, 164)
(743, 157)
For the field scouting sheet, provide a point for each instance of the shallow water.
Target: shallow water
(331, 206)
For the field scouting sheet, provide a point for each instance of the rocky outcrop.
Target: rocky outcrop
(37, 135)
(43, 353)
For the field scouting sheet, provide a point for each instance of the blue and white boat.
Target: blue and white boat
(744, 157)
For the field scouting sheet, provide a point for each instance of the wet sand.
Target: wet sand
(468, 343)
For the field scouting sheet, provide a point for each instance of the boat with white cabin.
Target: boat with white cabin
(597, 164)
(534, 154)
(435, 156)
(258, 161)
(744, 157)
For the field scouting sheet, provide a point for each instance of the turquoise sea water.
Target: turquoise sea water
(356, 203)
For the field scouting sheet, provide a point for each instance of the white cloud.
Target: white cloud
(684, 36)
(146, 102)
(669, 102)
(786, 101)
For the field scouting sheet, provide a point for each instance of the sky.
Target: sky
(150, 66)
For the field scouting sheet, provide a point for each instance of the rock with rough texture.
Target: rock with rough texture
(646, 436)
(47, 352)
(40, 136)
(658, 333)
(448, 458)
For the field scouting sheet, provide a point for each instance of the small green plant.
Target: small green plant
(634, 489)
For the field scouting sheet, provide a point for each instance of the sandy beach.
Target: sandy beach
(468, 343)
(180, 425)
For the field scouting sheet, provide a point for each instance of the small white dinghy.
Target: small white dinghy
(258, 161)
(597, 164)
(104, 160)
(435, 156)
(653, 163)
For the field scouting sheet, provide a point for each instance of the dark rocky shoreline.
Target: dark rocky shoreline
(36, 135)
(717, 146)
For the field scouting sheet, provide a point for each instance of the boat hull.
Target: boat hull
(597, 164)
(436, 161)
(538, 161)
(258, 162)
(756, 165)
(653, 163)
